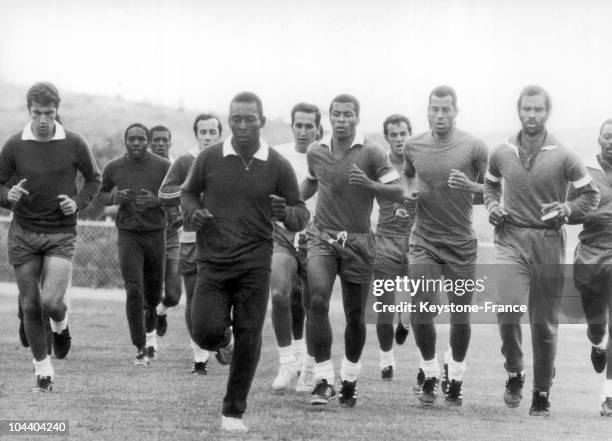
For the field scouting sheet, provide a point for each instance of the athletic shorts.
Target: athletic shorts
(291, 244)
(391, 254)
(25, 245)
(592, 267)
(187, 259)
(172, 243)
(452, 260)
(354, 252)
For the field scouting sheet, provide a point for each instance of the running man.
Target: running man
(392, 236)
(141, 223)
(288, 279)
(161, 143)
(42, 163)
(233, 192)
(593, 265)
(445, 167)
(530, 240)
(347, 171)
(207, 129)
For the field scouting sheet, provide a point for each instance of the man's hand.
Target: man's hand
(68, 205)
(278, 206)
(122, 197)
(555, 214)
(16, 191)
(201, 217)
(146, 198)
(459, 181)
(359, 178)
(497, 216)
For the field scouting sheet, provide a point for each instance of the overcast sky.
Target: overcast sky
(389, 53)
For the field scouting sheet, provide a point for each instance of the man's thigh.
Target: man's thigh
(284, 270)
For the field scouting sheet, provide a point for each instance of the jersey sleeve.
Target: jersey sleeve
(493, 173)
(383, 170)
(576, 172)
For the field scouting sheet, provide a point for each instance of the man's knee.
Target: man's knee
(280, 299)
(31, 309)
(319, 304)
(210, 339)
(52, 305)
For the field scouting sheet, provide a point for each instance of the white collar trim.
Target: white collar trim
(262, 152)
(593, 163)
(358, 140)
(28, 135)
(195, 150)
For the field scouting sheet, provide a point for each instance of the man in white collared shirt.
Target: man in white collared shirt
(42, 162)
(233, 192)
(347, 171)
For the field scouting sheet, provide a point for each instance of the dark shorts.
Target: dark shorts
(392, 254)
(354, 252)
(291, 244)
(25, 245)
(187, 259)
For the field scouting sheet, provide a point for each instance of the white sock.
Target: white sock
(58, 327)
(151, 340)
(387, 358)
(199, 355)
(431, 368)
(43, 367)
(607, 388)
(299, 348)
(308, 363)
(285, 355)
(604, 343)
(161, 309)
(324, 371)
(349, 371)
(456, 369)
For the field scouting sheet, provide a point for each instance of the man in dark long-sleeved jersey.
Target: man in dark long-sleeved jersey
(42, 161)
(141, 224)
(536, 171)
(232, 193)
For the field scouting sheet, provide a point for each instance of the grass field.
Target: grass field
(105, 397)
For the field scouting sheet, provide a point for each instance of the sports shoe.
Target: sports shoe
(199, 367)
(141, 358)
(224, 354)
(161, 325)
(387, 373)
(23, 338)
(322, 393)
(348, 394)
(540, 406)
(286, 376)
(606, 407)
(43, 384)
(231, 424)
(305, 383)
(598, 358)
(61, 343)
(418, 386)
(514, 389)
(454, 394)
(151, 352)
(445, 381)
(429, 392)
(401, 333)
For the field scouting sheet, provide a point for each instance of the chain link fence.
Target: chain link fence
(96, 263)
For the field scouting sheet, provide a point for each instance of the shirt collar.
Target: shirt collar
(261, 153)
(195, 150)
(593, 162)
(358, 140)
(28, 135)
